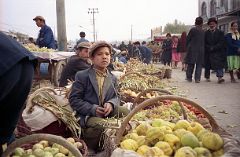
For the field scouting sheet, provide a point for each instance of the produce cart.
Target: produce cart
(56, 61)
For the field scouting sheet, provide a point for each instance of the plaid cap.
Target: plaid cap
(98, 44)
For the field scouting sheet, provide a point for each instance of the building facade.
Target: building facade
(226, 11)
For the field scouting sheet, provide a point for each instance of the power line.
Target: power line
(93, 11)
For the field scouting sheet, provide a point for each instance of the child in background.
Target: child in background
(175, 55)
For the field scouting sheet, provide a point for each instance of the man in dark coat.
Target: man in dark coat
(215, 57)
(76, 63)
(195, 51)
(16, 73)
(166, 56)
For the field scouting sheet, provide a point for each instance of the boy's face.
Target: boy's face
(101, 57)
(84, 53)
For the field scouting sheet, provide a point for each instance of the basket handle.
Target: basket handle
(30, 104)
(148, 102)
(131, 73)
(37, 137)
(162, 91)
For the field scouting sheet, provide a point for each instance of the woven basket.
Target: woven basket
(231, 145)
(37, 138)
(149, 102)
(139, 98)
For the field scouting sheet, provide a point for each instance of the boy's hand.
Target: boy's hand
(107, 109)
(100, 112)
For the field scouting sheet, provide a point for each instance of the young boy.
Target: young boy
(94, 95)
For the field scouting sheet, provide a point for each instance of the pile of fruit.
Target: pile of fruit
(35, 48)
(46, 149)
(134, 65)
(159, 138)
(169, 111)
(137, 83)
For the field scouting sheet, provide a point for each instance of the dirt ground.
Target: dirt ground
(222, 101)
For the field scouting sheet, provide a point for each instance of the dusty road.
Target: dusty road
(220, 100)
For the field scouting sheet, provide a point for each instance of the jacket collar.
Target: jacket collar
(106, 85)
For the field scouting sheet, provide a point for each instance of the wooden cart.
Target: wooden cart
(56, 61)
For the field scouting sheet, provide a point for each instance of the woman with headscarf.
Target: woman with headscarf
(233, 51)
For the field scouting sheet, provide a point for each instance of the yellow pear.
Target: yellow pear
(182, 124)
(165, 147)
(201, 134)
(189, 139)
(212, 141)
(202, 152)
(143, 149)
(195, 127)
(173, 141)
(185, 152)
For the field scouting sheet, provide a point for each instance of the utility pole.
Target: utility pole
(93, 11)
(61, 25)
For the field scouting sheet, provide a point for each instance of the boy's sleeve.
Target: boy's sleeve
(76, 99)
(115, 101)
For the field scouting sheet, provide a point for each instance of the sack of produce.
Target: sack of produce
(47, 112)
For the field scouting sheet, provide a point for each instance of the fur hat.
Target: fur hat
(97, 45)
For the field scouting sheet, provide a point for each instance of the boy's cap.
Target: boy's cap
(39, 18)
(84, 44)
(98, 44)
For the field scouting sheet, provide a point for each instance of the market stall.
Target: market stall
(56, 60)
(160, 123)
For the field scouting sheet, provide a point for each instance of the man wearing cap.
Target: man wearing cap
(76, 63)
(215, 57)
(45, 36)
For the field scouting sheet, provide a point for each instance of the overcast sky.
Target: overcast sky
(113, 22)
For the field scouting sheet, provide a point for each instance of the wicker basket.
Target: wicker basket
(37, 138)
(141, 96)
(228, 139)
